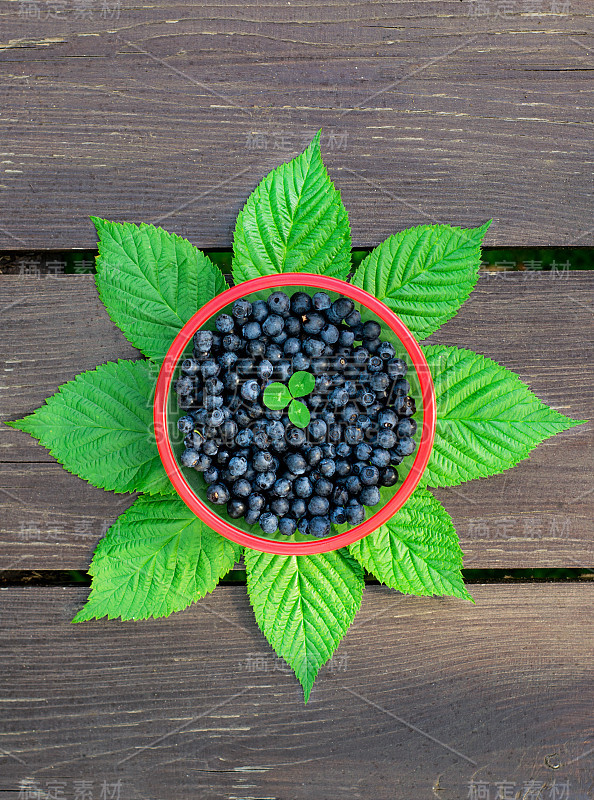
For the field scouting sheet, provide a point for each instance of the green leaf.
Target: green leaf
(100, 427)
(276, 396)
(301, 383)
(424, 274)
(157, 558)
(294, 221)
(487, 418)
(304, 605)
(417, 551)
(152, 282)
(299, 414)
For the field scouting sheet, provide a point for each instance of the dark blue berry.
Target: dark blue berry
(265, 480)
(313, 323)
(355, 512)
(287, 526)
(338, 516)
(388, 476)
(251, 330)
(302, 486)
(268, 522)
(217, 493)
(250, 390)
(319, 526)
(259, 310)
(273, 325)
(280, 506)
(190, 457)
(321, 301)
(241, 309)
(300, 303)
(224, 323)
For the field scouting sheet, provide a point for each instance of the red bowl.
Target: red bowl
(161, 414)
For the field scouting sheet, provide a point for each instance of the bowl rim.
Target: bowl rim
(160, 415)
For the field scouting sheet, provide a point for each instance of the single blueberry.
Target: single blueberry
(300, 303)
(268, 522)
(319, 526)
(287, 526)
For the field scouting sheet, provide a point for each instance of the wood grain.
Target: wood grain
(538, 514)
(173, 112)
(497, 691)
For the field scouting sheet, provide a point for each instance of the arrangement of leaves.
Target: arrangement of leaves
(159, 557)
(279, 395)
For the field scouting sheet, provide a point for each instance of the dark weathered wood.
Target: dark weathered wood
(198, 701)
(538, 514)
(174, 111)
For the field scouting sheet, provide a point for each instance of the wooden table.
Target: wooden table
(171, 113)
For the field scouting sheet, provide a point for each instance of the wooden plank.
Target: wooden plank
(422, 697)
(174, 111)
(538, 514)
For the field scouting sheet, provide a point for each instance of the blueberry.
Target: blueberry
(323, 487)
(203, 341)
(332, 316)
(405, 406)
(185, 424)
(353, 485)
(405, 446)
(268, 522)
(279, 303)
(250, 390)
(301, 362)
(251, 330)
(241, 309)
(223, 457)
(353, 434)
(340, 495)
(386, 437)
(371, 329)
(317, 429)
(379, 382)
(300, 303)
(296, 463)
(259, 310)
(281, 487)
(313, 323)
(354, 318)
(211, 475)
(339, 397)
(265, 480)
(395, 367)
(256, 348)
(283, 370)
(343, 307)
(401, 387)
(367, 399)
(275, 429)
(281, 338)
(338, 516)
(262, 461)
(321, 301)
(303, 525)
(256, 501)
(343, 467)
(319, 365)
(298, 507)
(371, 345)
(387, 419)
(319, 526)
(251, 516)
(231, 342)
(280, 506)
(265, 369)
(244, 437)
(228, 359)
(363, 451)
(241, 487)
(329, 334)
(302, 486)
(287, 526)
(210, 447)
(184, 385)
(217, 493)
(292, 326)
(327, 467)
(406, 427)
(346, 338)
(242, 417)
(369, 475)
(360, 356)
(380, 458)
(314, 455)
(355, 512)
(388, 476)
(203, 463)
(191, 366)
(273, 325)
(350, 413)
(375, 364)
(215, 418)
(224, 323)
(190, 457)
(291, 346)
(296, 437)
(313, 347)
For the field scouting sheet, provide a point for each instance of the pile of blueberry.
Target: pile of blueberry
(253, 459)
